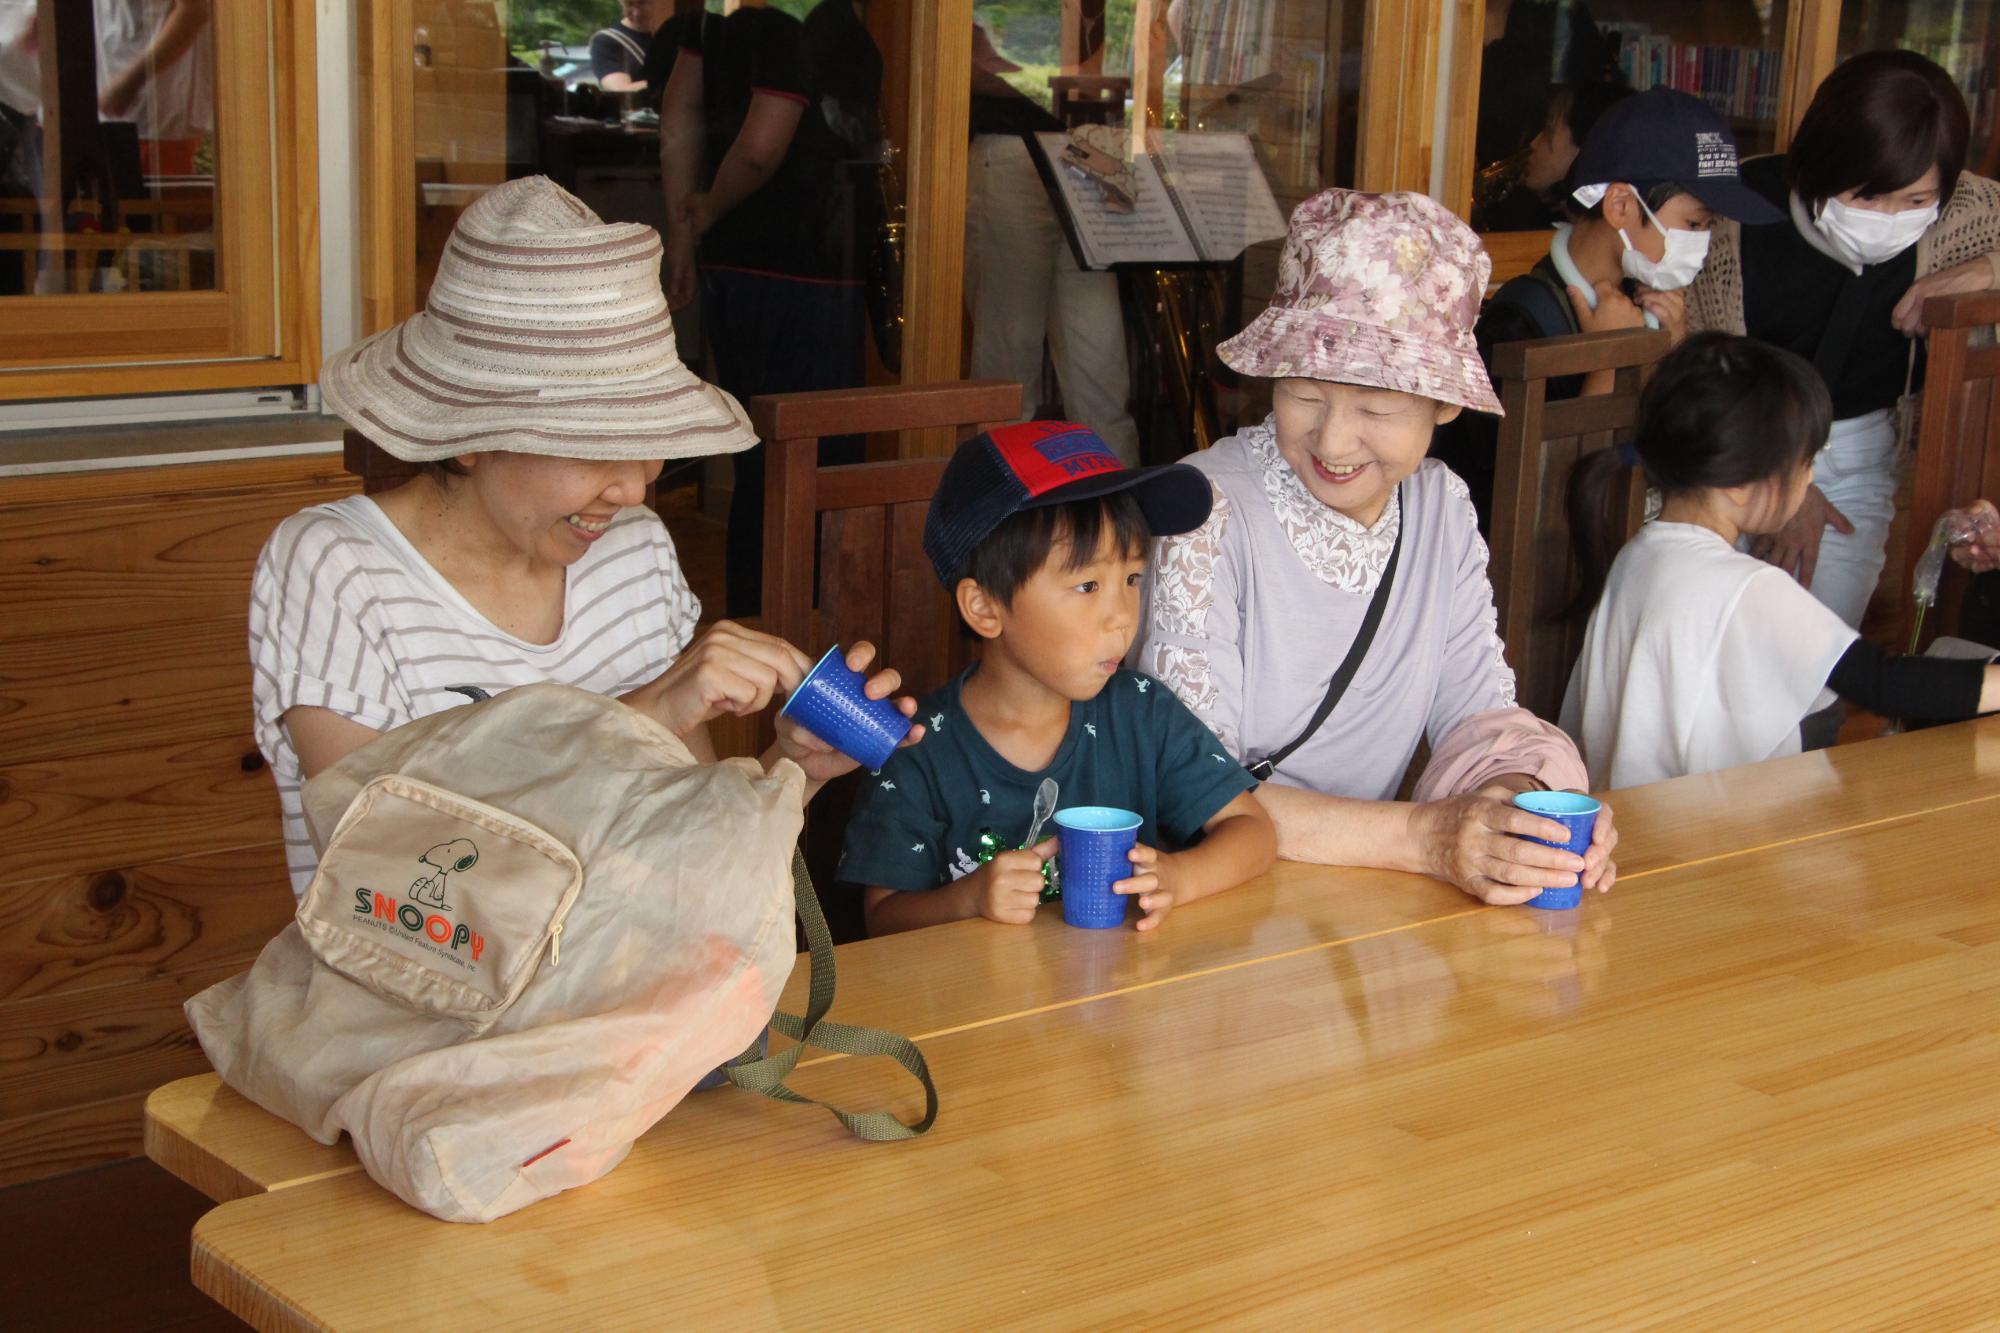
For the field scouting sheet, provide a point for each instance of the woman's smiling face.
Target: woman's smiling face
(1351, 444)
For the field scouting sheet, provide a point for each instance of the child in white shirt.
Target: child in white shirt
(1698, 656)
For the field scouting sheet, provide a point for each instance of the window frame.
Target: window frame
(261, 325)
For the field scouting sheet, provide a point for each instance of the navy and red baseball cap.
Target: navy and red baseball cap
(996, 475)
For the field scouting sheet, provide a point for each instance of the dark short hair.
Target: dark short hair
(1720, 411)
(1025, 541)
(1876, 125)
(437, 469)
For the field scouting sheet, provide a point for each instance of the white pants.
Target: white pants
(1022, 285)
(1857, 474)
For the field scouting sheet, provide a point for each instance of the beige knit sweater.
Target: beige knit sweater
(1967, 229)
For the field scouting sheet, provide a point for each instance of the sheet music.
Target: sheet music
(1150, 234)
(1222, 189)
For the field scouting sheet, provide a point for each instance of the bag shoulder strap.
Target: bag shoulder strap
(1544, 300)
(1263, 768)
(625, 40)
(768, 1075)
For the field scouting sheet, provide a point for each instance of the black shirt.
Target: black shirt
(796, 225)
(1791, 290)
(619, 50)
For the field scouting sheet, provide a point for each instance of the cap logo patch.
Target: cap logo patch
(1045, 455)
(1714, 154)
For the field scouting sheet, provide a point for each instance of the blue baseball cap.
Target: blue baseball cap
(1664, 135)
(999, 473)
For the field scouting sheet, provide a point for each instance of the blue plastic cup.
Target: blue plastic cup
(1093, 846)
(831, 704)
(1575, 812)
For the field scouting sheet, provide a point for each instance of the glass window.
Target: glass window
(1961, 35)
(108, 176)
(1103, 265)
(1549, 67)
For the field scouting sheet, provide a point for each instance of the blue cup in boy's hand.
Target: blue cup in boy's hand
(1094, 845)
(1575, 812)
(832, 704)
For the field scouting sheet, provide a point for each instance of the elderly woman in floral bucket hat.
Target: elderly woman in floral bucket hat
(541, 392)
(1339, 564)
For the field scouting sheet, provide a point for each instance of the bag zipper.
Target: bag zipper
(555, 945)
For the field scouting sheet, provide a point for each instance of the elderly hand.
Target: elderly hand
(1908, 316)
(1794, 548)
(1469, 841)
(680, 290)
(823, 763)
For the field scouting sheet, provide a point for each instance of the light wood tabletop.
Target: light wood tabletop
(1760, 1091)
(947, 979)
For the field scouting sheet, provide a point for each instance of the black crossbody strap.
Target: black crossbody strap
(1263, 768)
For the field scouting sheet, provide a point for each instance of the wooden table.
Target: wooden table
(1755, 1082)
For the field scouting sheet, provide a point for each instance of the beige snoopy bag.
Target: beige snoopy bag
(536, 925)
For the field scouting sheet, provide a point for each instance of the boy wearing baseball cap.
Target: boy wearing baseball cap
(1654, 173)
(1040, 535)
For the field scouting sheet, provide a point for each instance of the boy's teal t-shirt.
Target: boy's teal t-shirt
(916, 824)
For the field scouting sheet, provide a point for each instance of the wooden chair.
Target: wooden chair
(1534, 576)
(861, 526)
(1958, 439)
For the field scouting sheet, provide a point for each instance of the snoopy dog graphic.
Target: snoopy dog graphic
(457, 855)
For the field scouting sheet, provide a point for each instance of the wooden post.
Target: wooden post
(1811, 47)
(934, 256)
(1149, 71)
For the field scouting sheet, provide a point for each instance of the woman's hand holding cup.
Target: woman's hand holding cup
(1478, 842)
(820, 760)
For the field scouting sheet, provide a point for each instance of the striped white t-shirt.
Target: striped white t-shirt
(346, 615)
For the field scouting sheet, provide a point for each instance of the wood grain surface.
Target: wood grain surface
(1758, 1090)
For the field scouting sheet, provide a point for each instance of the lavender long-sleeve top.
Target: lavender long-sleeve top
(1249, 615)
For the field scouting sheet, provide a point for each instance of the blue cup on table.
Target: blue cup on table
(1093, 846)
(1575, 812)
(831, 704)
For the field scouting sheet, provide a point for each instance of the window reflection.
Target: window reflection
(107, 147)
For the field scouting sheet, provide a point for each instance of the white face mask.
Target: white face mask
(1866, 236)
(1686, 252)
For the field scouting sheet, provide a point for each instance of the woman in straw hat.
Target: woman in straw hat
(1329, 502)
(541, 391)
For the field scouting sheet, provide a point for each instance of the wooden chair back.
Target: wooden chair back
(854, 534)
(1534, 575)
(1958, 438)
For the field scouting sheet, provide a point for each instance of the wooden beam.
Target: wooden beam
(1811, 49)
(934, 263)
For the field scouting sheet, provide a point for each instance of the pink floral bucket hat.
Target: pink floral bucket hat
(1379, 290)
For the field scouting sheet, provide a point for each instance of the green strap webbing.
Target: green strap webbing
(768, 1075)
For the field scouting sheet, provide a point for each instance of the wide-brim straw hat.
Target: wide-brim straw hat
(1380, 290)
(545, 332)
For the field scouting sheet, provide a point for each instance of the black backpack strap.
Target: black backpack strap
(1543, 300)
(1263, 768)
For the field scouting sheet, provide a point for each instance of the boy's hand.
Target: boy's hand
(1153, 883)
(1008, 888)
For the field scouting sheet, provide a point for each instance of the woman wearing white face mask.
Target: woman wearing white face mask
(1879, 217)
(1653, 175)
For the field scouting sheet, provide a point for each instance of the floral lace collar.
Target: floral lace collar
(1338, 550)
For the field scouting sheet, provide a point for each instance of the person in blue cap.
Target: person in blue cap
(1041, 535)
(1652, 177)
